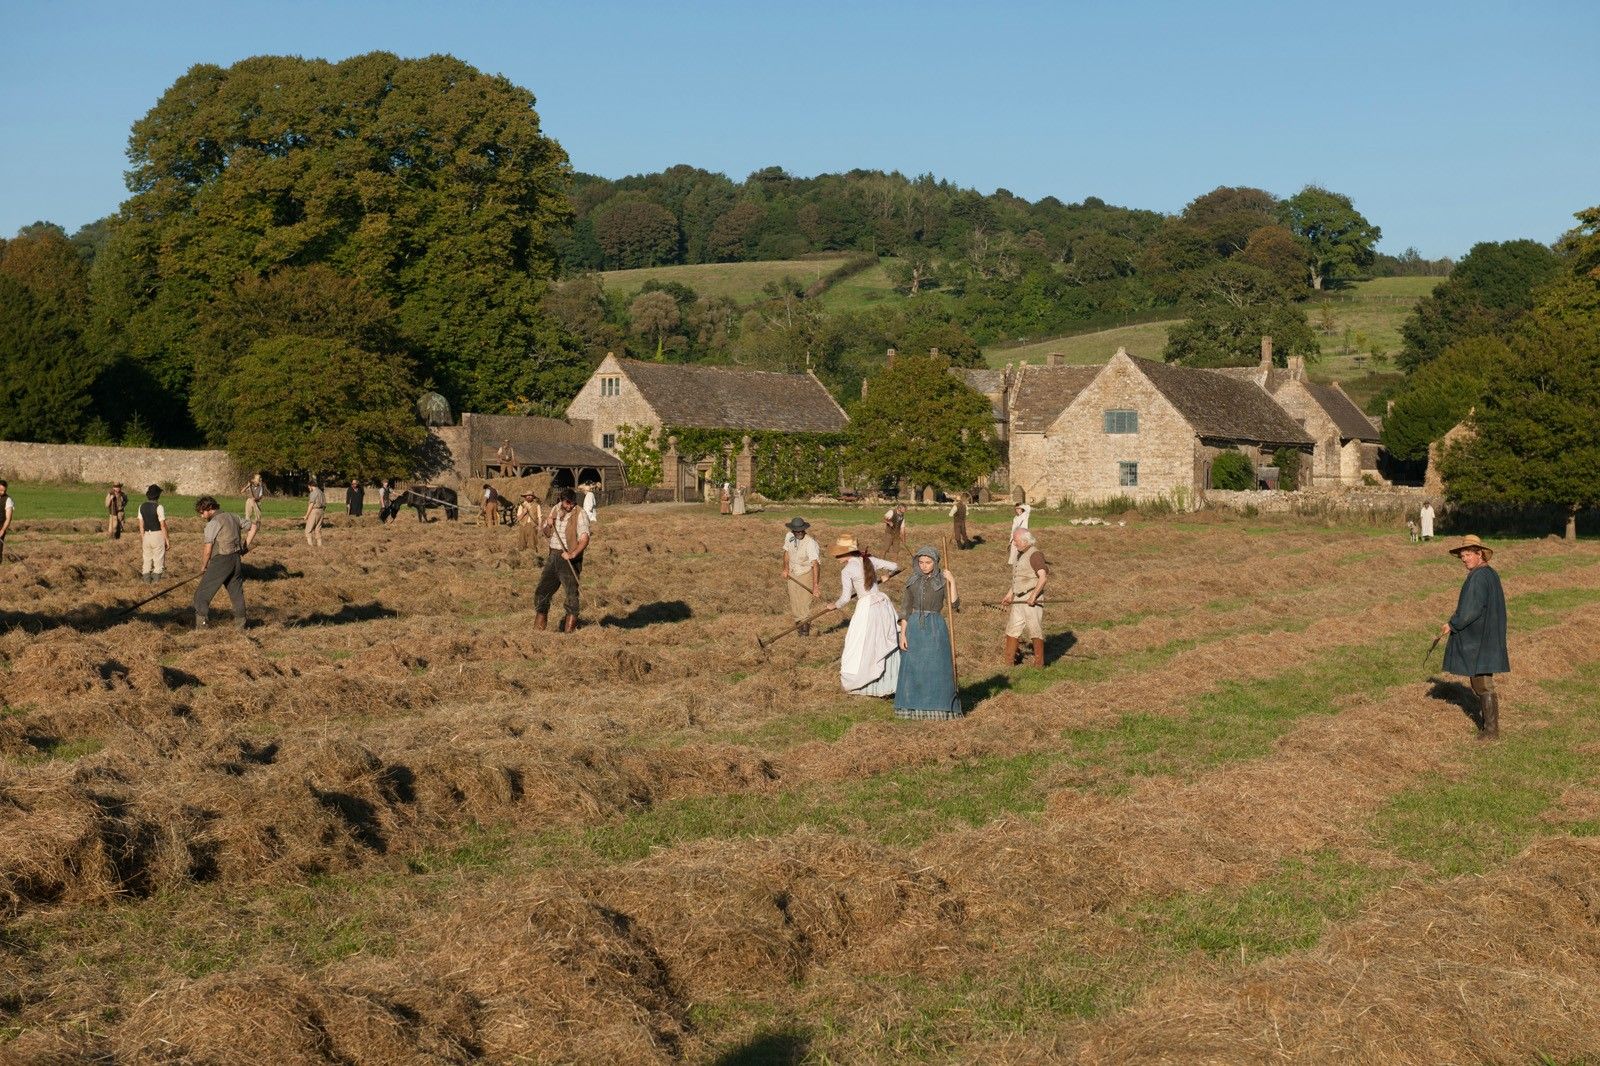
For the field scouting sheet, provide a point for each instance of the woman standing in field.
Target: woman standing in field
(1019, 520)
(870, 664)
(927, 684)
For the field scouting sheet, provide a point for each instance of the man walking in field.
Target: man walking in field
(5, 518)
(253, 491)
(1029, 575)
(529, 517)
(958, 521)
(894, 526)
(225, 544)
(153, 540)
(567, 528)
(802, 571)
(116, 507)
(316, 504)
(1477, 632)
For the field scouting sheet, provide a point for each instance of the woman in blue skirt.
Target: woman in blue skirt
(927, 687)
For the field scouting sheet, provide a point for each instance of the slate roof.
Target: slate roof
(1043, 392)
(1352, 422)
(992, 383)
(562, 453)
(714, 397)
(1222, 407)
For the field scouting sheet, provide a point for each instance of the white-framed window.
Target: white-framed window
(1121, 421)
(608, 441)
(611, 386)
(1128, 474)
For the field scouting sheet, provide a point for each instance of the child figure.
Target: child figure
(1411, 527)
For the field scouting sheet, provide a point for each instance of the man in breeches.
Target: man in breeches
(225, 545)
(802, 571)
(1477, 632)
(567, 529)
(1029, 574)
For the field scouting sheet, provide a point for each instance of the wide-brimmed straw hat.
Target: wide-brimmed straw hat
(796, 524)
(1471, 541)
(845, 545)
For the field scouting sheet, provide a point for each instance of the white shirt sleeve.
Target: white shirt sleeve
(161, 514)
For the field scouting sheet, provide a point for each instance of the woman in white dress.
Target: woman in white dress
(870, 664)
(1019, 521)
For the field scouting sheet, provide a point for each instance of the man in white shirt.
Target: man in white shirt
(567, 528)
(225, 544)
(153, 535)
(802, 571)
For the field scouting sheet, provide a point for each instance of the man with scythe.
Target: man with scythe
(802, 572)
(567, 528)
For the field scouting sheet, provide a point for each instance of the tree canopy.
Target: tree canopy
(1238, 304)
(1439, 395)
(426, 180)
(921, 425)
(1489, 289)
(1338, 235)
(45, 373)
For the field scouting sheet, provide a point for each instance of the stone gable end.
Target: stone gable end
(606, 413)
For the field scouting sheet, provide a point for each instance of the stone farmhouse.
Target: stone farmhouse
(1347, 447)
(1137, 428)
(667, 396)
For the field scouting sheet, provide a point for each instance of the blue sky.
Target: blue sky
(1447, 123)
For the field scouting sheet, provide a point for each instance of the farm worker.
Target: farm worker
(253, 491)
(927, 685)
(727, 498)
(116, 504)
(1029, 575)
(153, 534)
(1019, 520)
(958, 520)
(385, 498)
(870, 663)
(1427, 519)
(355, 498)
(225, 544)
(506, 458)
(567, 528)
(5, 519)
(491, 505)
(529, 516)
(316, 503)
(589, 507)
(1477, 632)
(894, 525)
(802, 570)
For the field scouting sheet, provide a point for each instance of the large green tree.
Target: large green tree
(921, 425)
(426, 179)
(317, 405)
(1536, 434)
(46, 373)
(1236, 305)
(1340, 237)
(1492, 286)
(1439, 395)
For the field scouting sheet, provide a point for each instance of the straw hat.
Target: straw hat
(845, 545)
(1471, 541)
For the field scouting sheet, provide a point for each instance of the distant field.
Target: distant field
(1373, 310)
(1145, 340)
(861, 291)
(740, 282)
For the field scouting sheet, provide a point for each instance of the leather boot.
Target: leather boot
(569, 624)
(541, 620)
(1011, 652)
(1489, 707)
(1038, 652)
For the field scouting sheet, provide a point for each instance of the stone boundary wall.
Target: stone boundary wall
(1397, 501)
(192, 472)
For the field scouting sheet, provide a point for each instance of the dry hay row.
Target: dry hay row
(599, 965)
(1499, 968)
(147, 816)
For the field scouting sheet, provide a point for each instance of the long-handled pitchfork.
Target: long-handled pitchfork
(766, 642)
(170, 588)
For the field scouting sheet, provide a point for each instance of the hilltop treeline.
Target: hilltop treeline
(313, 226)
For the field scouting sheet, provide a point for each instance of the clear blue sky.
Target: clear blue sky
(1447, 123)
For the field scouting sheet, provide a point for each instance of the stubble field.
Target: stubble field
(390, 822)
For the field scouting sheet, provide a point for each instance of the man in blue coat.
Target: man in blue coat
(1477, 632)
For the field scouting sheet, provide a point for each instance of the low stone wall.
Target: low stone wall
(191, 472)
(1357, 501)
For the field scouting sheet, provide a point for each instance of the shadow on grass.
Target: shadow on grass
(649, 614)
(769, 1049)
(1457, 695)
(350, 612)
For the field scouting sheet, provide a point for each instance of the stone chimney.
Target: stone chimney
(1297, 368)
(1053, 359)
(891, 356)
(1266, 353)
(934, 352)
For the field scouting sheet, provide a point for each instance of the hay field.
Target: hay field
(390, 822)
(740, 282)
(1147, 340)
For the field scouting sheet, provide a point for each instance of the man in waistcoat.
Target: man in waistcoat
(153, 540)
(116, 507)
(1029, 575)
(224, 546)
(567, 530)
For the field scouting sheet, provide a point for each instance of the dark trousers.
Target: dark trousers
(557, 574)
(222, 572)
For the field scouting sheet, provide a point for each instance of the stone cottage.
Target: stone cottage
(1136, 428)
(1346, 450)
